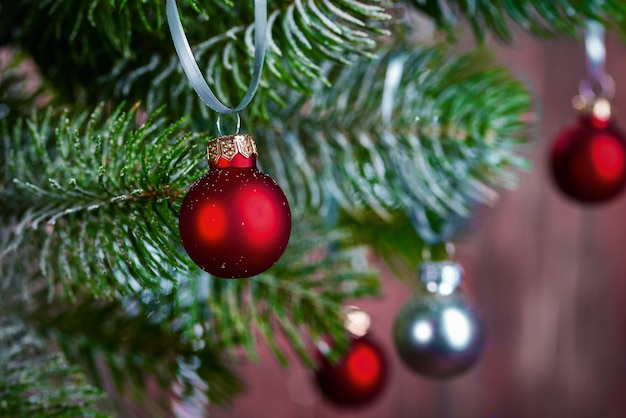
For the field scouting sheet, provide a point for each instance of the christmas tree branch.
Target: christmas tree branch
(38, 383)
(302, 36)
(156, 334)
(95, 200)
(300, 39)
(300, 295)
(67, 184)
(543, 18)
(134, 341)
(435, 149)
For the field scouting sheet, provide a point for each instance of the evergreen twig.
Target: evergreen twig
(542, 18)
(35, 382)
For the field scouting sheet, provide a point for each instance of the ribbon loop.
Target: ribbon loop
(598, 82)
(190, 66)
(595, 49)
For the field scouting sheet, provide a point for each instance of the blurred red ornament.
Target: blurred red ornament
(358, 378)
(235, 221)
(588, 160)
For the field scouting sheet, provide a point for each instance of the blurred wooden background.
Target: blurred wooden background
(550, 276)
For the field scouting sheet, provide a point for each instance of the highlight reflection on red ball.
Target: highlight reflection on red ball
(235, 222)
(363, 366)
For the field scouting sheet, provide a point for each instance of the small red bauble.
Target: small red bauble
(358, 378)
(588, 160)
(235, 221)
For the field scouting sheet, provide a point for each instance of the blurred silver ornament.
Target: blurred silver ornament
(439, 333)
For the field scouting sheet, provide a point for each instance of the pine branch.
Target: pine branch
(158, 335)
(303, 295)
(36, 383)
(90, 29)
(114, 53)
(70, 178)
(104, 217)
(166, 335)
(137, 341)
(302, 36)
(438, 151)
(543, 18)
(95, 201)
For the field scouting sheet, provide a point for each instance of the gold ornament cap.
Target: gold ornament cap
(232, 150)
(598, 108)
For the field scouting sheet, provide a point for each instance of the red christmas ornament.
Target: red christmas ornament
(358, 378)
(235, 221)
(588, 160)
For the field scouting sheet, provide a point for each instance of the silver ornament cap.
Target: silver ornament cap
(442, 277)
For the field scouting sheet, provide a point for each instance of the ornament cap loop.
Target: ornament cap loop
(228, 149)
(442, 277)
(237, 126)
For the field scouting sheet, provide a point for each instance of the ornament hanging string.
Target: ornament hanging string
(598, 83)
(190, 66)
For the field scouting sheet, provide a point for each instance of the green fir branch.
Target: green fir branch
(543, 18)
(124, 47)
(302, 37)
(68, 179)
(95, 200)
(302, 296)
(438, 150)
(110, 26)
(36, 382)
(133, 342)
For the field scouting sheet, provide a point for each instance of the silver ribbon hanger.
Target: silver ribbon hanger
(190, 66)
(598, 84)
